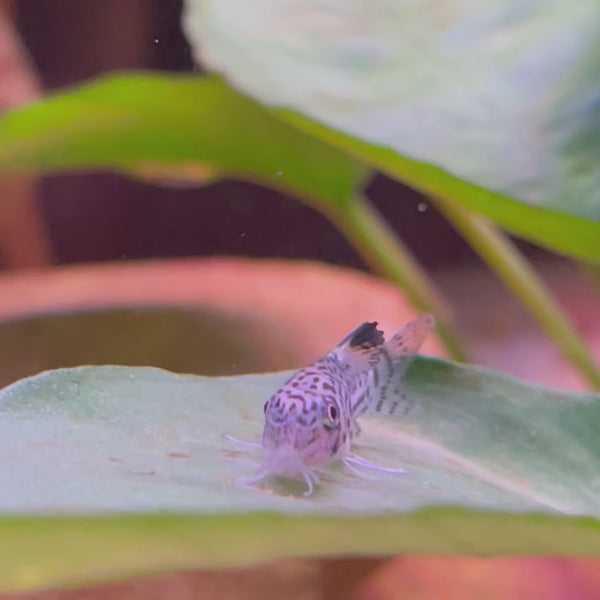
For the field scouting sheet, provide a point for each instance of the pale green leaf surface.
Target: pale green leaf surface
(498, 98)
(117, 438)
(110, 440)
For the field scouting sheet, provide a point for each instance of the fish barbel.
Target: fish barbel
(313, 418)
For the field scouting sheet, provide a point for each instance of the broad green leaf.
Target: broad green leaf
(492, 104)
(186, 128)
(94, 445)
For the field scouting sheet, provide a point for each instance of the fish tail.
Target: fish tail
(409, 339)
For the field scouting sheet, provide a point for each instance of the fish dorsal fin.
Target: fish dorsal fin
(386, 393)
(360, 349)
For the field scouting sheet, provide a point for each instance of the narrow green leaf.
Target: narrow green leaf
(555, 230)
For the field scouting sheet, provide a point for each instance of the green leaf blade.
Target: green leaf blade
(142, 122)
(150, 453)
(126, 470)
(563, 233)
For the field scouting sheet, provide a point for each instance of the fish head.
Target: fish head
(305, 427)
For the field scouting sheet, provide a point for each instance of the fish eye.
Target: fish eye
(332, 411)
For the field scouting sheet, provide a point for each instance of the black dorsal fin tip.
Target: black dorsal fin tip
(366, 336)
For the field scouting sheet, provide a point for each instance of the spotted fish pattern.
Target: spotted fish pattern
(313, 418)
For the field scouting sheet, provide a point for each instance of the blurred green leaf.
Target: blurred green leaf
(110, 440)
(180, 128)
(193, 130)
(493, 105)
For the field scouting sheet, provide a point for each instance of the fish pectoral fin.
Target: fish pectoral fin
(352, 459)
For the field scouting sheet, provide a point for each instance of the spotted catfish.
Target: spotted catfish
(313, 418)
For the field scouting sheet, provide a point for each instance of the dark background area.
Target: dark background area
(99, 216)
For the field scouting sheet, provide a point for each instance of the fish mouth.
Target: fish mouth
(284, 461)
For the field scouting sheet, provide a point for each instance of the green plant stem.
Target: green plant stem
(592, 272)
(511, 267)
(371, 235)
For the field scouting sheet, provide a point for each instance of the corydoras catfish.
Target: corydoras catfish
(313, 418)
